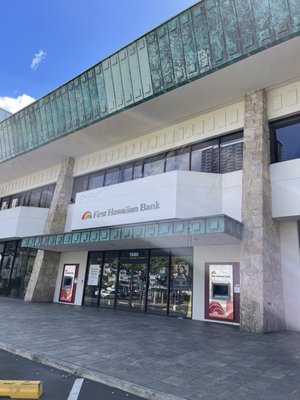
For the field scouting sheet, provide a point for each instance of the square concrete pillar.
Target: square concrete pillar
(261, 279)
(43, 278)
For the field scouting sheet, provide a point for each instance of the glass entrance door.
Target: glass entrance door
(132, 285)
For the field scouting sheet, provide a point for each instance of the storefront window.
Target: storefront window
(92, 285)
(158, 282)
(18, 273)
(181, 286)
(29, 268)
(109, 280)
(6, 266)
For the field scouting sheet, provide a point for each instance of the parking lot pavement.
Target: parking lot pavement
(57, 385)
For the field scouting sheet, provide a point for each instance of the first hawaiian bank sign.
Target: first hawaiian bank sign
(176, 194)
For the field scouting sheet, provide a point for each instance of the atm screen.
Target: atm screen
(220, 291)
(67, 282)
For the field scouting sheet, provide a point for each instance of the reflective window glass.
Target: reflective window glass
(205, 157)
(157, 300)
(231, 153)
(92, 285)
(46, 197)
(6, 267)
(178, 160)
(112, 176)
(109, 280)
(126, 172)
(35, 197)
(80, 185)
(286, 142)
(26, 199)
(138, 170)
(18, 272)
(181, 286)
(96, 180)
(154, 165)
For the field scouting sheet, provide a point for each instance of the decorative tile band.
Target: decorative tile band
(207, 225)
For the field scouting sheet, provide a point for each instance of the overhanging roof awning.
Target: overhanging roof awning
(213, 230)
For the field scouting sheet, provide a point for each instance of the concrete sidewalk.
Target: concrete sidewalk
(152, 356)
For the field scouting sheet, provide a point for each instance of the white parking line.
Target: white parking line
(76, 389)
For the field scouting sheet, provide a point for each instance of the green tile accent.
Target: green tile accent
(45, 240)
(85, 237)
(59, 239)
(68, 238)
(180, 228)
(95, 236)
(197, 226)
(76, 237)
(138, 232)
(217, 224)
(52, 240)
(165, 229)
(151, 230)
(127, 233)
(115, 234)
(104, 234)
(208, 36)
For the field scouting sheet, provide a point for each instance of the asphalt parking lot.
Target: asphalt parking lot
(57, 385)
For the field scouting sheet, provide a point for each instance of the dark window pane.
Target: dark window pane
(126, 173)
(96, 180)
(178, 160)
(46, 198)
(205, 157)
(8, 257)
(154, 165)
(35, 198)
(14, 201)
(138, 170)
(80, 185)
(21, 199)
(231, 153)
(112, 176)
(287, 142)
(5, 203)
(18, 272)
(26, 199)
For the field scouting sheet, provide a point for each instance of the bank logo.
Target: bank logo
(86, 215)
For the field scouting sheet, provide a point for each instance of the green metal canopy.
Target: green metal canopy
(221, 228)
(208, 36)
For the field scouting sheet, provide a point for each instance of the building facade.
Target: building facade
(165, 179)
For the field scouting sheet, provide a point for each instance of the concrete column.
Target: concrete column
(261, 279)
(43, 278)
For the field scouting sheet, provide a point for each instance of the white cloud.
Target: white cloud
(13, 105)
(37, 59)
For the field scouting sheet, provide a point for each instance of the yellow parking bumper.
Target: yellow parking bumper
(21, 389)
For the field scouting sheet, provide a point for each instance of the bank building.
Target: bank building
(166, 178)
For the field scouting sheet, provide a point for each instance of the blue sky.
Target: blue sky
(47, 42)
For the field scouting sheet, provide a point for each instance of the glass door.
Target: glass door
(132, 282)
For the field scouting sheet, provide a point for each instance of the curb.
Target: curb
(138, 390)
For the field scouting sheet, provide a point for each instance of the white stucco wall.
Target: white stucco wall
(290, 261)
(72, 258)
(285, 184)
(203, 255)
